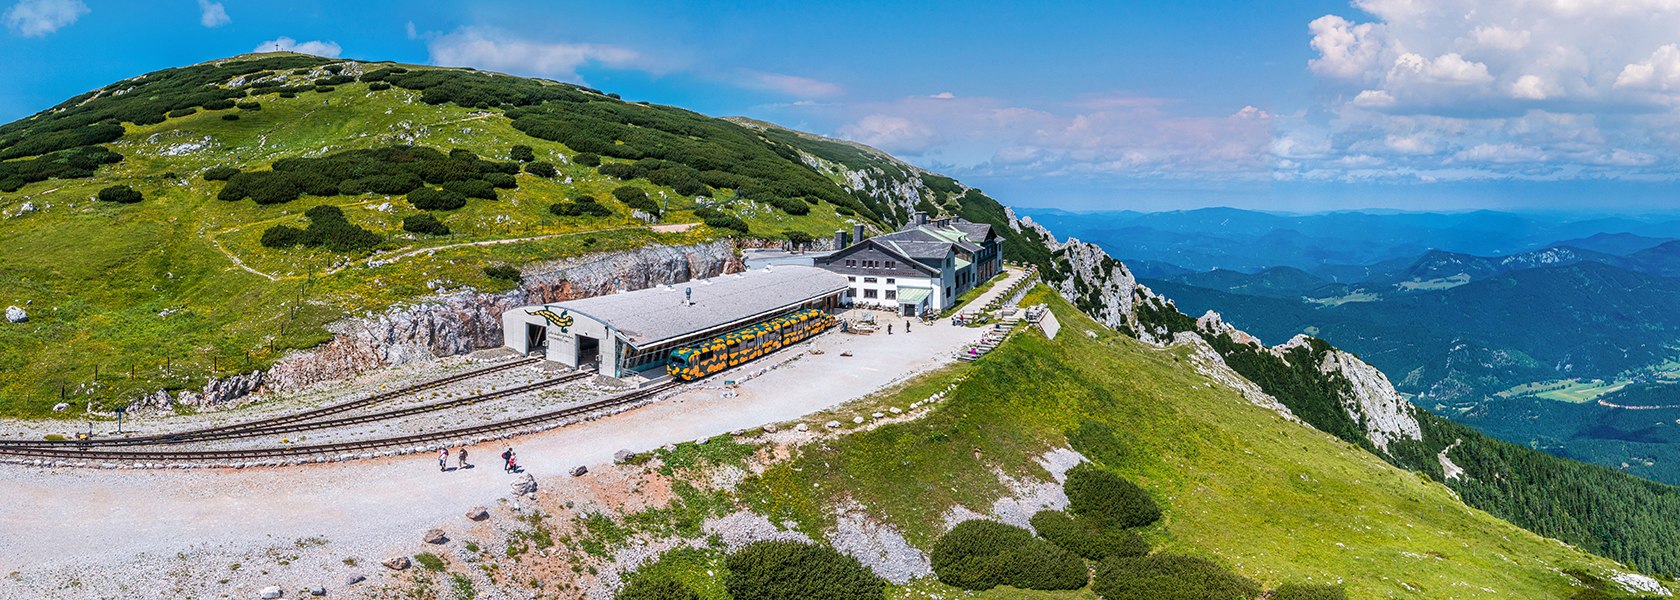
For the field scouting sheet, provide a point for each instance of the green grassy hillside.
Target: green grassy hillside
(1272, 499)
(178, 287)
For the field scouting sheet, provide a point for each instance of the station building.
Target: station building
(923, 267)
(632, 334)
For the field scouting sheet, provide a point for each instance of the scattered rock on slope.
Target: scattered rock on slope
(16, 314)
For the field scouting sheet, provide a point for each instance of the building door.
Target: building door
(588, 351)
(909, 310)
(536, 338)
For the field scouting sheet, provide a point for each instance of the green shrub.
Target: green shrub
(522, 153)
(721, 220)
(981, 554)
(181, 112)
(379, 86)
(219, 104)
(1087, 538)
(230, 117)
(501, 181)
(120, 194)
(220, 173)
(634, 197)
(282, 236)
(661, 587)
(587, 159)
(786, 569)
(288, 94)
(797, 238)
(503, 272)
(1107, 499)
(1169, 577)
(472, 188)
(435, 199)
(430, 562)
(249, 106)
(541, 169)
(424, 223)
(1308, 591)
(580, 209)
(324, 88)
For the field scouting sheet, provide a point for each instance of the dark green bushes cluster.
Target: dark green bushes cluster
(522, 153)
(74, 163)
(220, 173)
(677, 176)
(327, 229)
(253, 105)
(634, 197)
(587, 159)
(721, 220)
(541, 169)
(1169, 577)
(435, 199)
(786, 569)
(581, 206)
(392, 171)
(797, 238)
(1087, 538)
(182, 112)
(503, 272)
(476, 90)
(334, 80)
(120, 194)
(656, 588)
(981, 554)
(379, 86)
(424, 223)
(98, 133)
(1107, 500)
(230, 117)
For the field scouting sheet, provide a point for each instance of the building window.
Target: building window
(890, 280)
(869, 280)
(851, 292)
(889, 264)
(851, 263)
(869, 293)
(850, 278)
(892, 294)
(947, 291)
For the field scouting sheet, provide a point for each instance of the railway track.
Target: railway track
(277, 424)
(340, 449)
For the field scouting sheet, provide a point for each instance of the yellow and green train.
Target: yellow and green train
(742, 345)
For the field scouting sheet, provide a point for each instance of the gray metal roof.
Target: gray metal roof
(645, 317)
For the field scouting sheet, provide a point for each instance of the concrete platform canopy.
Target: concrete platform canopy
(633, 333)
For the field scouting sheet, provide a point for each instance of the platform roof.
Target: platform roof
(647, 317)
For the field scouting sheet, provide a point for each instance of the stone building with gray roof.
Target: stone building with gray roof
(923, 267)
(631, 334)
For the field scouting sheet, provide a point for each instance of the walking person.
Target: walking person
(462, 457)
(513, 463)
(907, 326)
(443, 459)
(507, 460)
(889, 328)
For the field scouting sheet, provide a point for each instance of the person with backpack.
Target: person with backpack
(507, 460)
(443, 460)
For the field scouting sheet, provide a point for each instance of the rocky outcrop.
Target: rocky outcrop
(218, 393)
(1210, 364)
(1096, 283)
(1214, 324)
(1372, 401)
(15, 314)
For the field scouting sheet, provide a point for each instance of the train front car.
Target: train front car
(743, 345)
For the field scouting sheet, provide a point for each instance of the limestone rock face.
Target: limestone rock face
(524, 484)
(1098, 284)
(16, 314)
(1212, 323)
(1374, 404)
(218, 394)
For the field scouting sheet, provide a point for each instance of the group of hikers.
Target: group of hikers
(510, 461)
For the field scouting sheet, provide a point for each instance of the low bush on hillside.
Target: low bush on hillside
(1169, 577)
(74, 163)
(219, 104)
(982, 554)
(1108, 499)
(424, 223)
(181, 112)
(230, 117)
(392, 171)
(379, 86)
(581, 206)
(658, 587)
(587, 159)
(1307, 591)
(220, 173)
(435, 199)
(249, 105)
(1087, 538)
(797, 570)
(721, 220)
(503, 272)
(501, 181)
(324, 88)
(682, 178)
(522, 153)
(120, 194)
(541, 169)
(327, 229)
(634, 197)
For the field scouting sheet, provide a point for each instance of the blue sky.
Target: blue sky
(1412, 104)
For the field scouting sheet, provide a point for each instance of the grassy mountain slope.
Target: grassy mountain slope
(1271, 498)
(178, 287)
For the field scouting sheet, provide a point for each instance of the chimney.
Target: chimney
(920, 218)
(857, 233)
(840, 239)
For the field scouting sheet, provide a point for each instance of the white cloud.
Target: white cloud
(1529, 87)
(943, 95)
(286, 44)
(491, 50)
(1501, 153)
(791, 85)
(212, 14)
(891, 133)
(1346, 51)
(37, 18)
